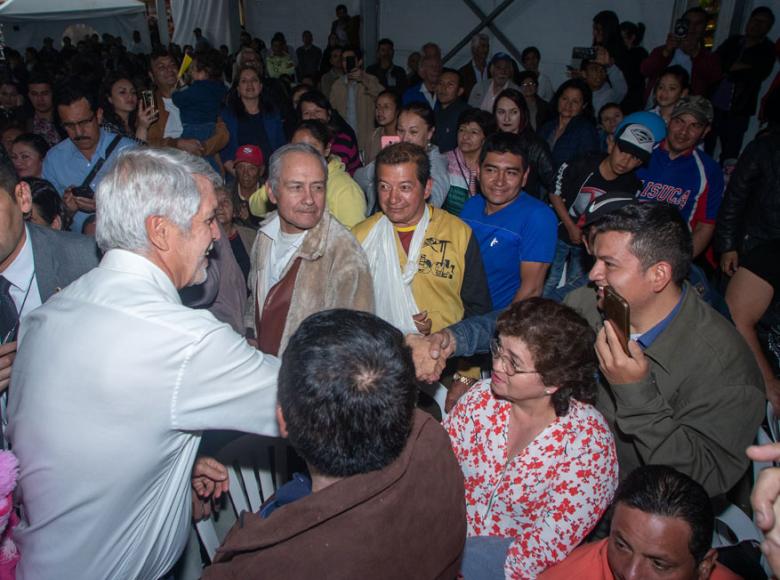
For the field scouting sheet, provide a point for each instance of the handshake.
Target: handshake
(430, 353)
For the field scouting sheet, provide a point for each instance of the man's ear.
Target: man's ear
(428, 188)
(525, 176)
(460, 91)
(99, 115)
(660, 275)
(159, 231)
(271, 194)
(707, 565)
(23, 197)
(282, 423)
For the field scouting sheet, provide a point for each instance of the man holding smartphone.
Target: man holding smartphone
(689, 393)
(74, 165)
(354, 95)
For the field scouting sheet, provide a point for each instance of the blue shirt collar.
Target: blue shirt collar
(648, 338)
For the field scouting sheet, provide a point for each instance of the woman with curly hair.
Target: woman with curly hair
(538, 459)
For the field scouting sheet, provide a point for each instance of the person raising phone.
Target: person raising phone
(689, 394)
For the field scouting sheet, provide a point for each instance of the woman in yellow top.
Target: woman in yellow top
(346, 201)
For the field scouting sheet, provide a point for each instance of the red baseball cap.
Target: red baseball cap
(250, 154)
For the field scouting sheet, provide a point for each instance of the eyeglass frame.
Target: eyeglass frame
(83, 124)
(497, 352)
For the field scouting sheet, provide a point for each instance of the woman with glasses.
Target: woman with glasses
(538, 459)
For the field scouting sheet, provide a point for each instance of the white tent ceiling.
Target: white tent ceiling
(27, 22)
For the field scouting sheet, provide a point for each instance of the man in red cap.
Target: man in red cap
(250, 168)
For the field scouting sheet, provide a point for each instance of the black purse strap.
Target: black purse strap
(101, 161)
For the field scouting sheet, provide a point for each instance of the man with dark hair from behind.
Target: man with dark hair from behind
(661, 528)
(385, 499)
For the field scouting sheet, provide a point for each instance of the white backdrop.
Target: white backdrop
(264, 18)
(553, 26)
(28, 22)
(218, 19)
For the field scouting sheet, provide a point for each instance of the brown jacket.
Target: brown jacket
(367, 92)
(211, 146)
(334, 274)
(407, 520)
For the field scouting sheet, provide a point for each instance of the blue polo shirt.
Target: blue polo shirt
(64, 166)
(523, 231)
(692, 182)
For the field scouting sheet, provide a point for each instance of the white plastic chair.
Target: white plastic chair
(257, 467)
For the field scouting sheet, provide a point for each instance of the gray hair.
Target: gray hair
(145, 182)
(275, 164)
(477, 37)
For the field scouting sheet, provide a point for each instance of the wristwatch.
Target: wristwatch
(468, 381)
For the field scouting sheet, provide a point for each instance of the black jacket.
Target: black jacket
(541, 178)
(750, 212)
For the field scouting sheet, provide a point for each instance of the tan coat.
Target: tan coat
(334, 273)
(367, 92)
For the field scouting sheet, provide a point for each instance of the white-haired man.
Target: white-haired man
(303, 260)
(107, 429)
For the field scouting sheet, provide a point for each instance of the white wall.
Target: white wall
(291, 18)
(553, 26)
(217, 19)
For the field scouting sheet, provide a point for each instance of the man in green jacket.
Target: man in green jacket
(689, 394)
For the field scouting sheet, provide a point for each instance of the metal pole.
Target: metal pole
(493, 28)
(486, 20)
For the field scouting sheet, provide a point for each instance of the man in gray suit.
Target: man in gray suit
(35, 262)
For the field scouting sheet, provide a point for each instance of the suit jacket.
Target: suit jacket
(60, 258)
(469, 77)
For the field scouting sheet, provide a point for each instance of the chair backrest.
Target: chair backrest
(257, 467)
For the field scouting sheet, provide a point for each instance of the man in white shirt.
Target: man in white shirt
(106, 431)
(484, 93)
(476, 70)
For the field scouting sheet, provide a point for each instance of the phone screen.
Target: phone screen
(386, 140)
(616, 310)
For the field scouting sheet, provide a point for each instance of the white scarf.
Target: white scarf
(393, 298)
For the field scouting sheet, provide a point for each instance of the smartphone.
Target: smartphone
(148, 99)
(351, 63)
(386, 140)
(83, 191)
(616, 310)
(583, 53)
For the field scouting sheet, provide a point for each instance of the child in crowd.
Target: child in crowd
(610, 116)
(672, 85)
(199, 103)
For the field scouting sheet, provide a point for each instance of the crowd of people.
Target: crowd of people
(507, 329)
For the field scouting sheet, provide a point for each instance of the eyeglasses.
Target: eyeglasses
(510, 368)
(78, 124)
(527, 84)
